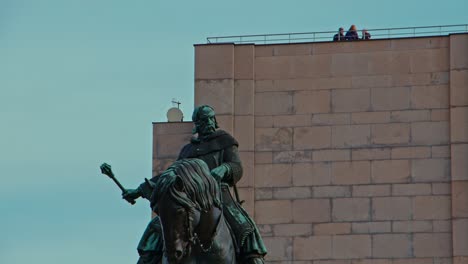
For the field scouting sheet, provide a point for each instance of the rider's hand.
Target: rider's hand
(130, 195)
(219, 172)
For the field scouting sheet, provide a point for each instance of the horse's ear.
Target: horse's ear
(179, 184)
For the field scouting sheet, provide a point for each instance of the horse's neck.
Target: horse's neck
(208, 223)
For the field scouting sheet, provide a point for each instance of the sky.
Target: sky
(81, 82)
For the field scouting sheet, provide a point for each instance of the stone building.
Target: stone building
(354, 152)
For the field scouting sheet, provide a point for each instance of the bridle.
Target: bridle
(193, 238)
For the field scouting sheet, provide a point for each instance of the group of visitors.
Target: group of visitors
(352, 34)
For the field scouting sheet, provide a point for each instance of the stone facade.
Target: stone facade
(354, 152)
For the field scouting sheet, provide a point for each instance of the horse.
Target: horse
(188, 201)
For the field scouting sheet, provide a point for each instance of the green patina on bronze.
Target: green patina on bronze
(219, 151)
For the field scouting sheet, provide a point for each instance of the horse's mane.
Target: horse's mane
(188, 182)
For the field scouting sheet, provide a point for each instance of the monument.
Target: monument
(198, 227)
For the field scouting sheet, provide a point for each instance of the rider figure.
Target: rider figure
(219, 150)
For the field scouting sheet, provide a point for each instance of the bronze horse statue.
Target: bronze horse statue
(188, 201)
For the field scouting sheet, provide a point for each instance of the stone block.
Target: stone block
(458, 51)
(292, 193)
(312, 137)
(247, 179)
(410, 116)
(214, 62)
(350, 64)
(311, 210)
(273, 103)
(370, 117)
(244, 97)
(330, 119)
(263, 51)
(458, 88)
(171, 128)
(391, 171)
(263, 121)
(440, 115)
(459, 260)
(441, 188)
(311, 174)
(292, 50)
(350, 136)
(273, 175)
(219, 94)
(411, 189)
(331, 191)
(371, 81)
(273, 212)
(244, 132)
(310, 102)
(355, 172)
(459, 198)
(439, 133)
(459, 125)
(287, 230)
(351, 209)
(332, 229)
(244, 62)
(311, 248)
(263, 194)
(395, 98)
(431, 207)
(310, 66)
(441, 152)
(432, 245)
(352, 246)
(419, 43)
(169, 146)
(263, 157)
(390, 134)
(371, 227)
(272, 68)
(273, 139)
(430, 170)
(331, 155)
(442, 226)
(391, 246)
(370, 154)
(371, 190)
(226, 122)
(279, 248)
(412, 226)
(302, 84)
(459, 165)
(460, 237)
(429, 60)
(411, 79)
(411, 152)
(291, 121)
(391, 208)
(292, 156)
(351, 100)
(419, 261)
(380, 261)
(426, 97)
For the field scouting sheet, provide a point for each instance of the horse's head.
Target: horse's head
(181, 193)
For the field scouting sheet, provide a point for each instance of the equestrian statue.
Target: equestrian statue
(198, 220)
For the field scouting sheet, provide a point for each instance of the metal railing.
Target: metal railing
(382, 33)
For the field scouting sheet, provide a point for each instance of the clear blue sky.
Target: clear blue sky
(82, 80)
